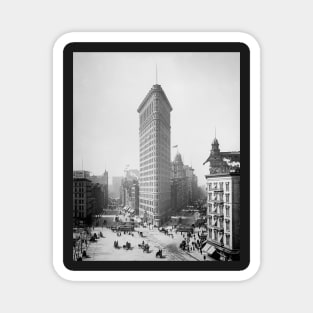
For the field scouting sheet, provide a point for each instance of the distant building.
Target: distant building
(129, 194)
(178, 195)
(124, 192)
(223, 203)
(195, 188)
(134, 197)
(98, 193)
(132, 174)
(103, 180)
(192, 184)
(179, 185)
(184, 185)
(81, 174)
(155, 156)
(116, 185)
(83, 201)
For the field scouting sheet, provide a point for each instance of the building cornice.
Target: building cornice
(223, 174)
(155, 88)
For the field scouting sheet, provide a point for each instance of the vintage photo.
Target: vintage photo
(156, 156)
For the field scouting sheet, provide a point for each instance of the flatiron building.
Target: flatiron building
(155, 156)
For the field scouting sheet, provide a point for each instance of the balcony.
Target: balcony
(217, 189)
(219, 228)
(217, 214)
(216, 200)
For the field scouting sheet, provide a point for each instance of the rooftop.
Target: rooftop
(178, 158)
(230, 173)
(155, 88)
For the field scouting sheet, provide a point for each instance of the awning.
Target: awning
(207, 247)
(211, 250)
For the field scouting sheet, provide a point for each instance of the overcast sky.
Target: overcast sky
(203, 89)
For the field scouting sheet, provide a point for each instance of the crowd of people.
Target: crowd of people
(193, 242)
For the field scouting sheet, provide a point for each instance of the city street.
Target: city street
(103, 249)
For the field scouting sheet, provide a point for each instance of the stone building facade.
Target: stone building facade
(184, 185)
(134, 197)
(98, 193)
(179, 185)
(223, 203)
(83, 201)
(223, 215)
(155, 156)
(103, 180)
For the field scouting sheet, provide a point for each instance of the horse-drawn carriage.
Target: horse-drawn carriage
(93, 238)
(144, 247)
(183, 245)
(127, 246)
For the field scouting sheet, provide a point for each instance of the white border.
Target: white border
(58, 157)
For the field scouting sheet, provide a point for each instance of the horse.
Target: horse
(159, 254)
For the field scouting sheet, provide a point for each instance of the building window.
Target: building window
(227, 225)
(221, 186)
(227, 211)
(210, 207)
(221, 222)
(227, 240)
(227, 198)
(227, 186)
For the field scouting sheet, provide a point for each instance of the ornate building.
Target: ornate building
(223, 216)
(184, 185)
(223, 203)
(222, 162)
(155, 156)
(179, 185)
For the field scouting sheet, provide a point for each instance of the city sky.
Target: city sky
(203, 89)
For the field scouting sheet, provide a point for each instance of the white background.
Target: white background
(28, 31)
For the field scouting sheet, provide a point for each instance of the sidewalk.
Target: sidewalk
(199, 257)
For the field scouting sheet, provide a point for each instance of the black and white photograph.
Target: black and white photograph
(156, 156)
